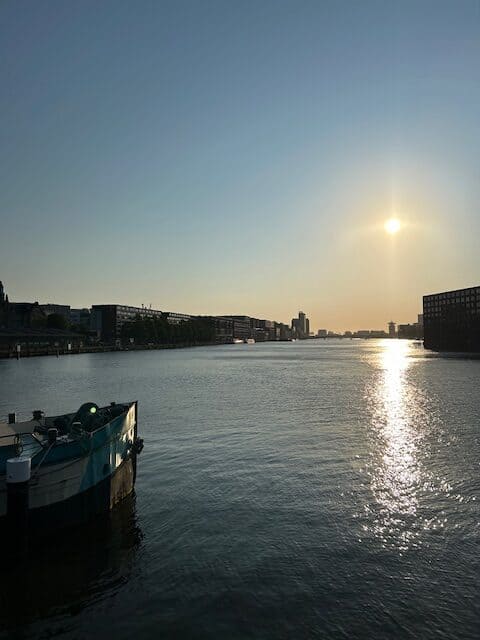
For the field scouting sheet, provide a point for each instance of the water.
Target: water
(297, 490)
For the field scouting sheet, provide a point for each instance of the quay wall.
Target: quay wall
(29, 351)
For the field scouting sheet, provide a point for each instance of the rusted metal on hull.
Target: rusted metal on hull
(122, 482)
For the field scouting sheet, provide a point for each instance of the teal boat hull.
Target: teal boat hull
(77, 478)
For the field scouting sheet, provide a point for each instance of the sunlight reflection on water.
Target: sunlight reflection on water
(397, 474)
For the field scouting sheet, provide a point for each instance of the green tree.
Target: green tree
(57, 321)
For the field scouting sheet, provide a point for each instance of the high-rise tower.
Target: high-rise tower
(302, 321)
(301, 326)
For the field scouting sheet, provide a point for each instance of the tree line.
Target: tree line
(157, 330)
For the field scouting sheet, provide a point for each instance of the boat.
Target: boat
(237, 341)
(63, 470)
(249, 341)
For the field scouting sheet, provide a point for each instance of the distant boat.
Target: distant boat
(63, 470)
(237, 341)
(249, 341)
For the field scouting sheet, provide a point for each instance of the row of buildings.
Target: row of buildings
(301, 326)
(361, 333)
(450, 322)
(412, 331)
(107, 322)
(30, 328)
(104, 323)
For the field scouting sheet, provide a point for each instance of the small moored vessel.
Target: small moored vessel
(62, 470)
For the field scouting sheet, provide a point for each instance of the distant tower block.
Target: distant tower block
(392, 329)
(2, 293)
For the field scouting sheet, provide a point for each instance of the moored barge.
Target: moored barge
(63, 470)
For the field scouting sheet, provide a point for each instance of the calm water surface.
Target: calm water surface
(296, 490)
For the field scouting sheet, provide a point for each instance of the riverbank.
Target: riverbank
(31, 351)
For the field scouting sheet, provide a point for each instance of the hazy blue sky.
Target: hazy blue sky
(240, 157)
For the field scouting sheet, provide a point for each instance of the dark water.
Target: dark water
(303, 490)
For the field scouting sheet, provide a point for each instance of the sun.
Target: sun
(392, 226)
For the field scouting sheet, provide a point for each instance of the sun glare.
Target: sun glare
(392, 226)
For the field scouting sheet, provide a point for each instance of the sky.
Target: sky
(240, 157)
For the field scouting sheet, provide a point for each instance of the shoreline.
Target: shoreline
(57, 351)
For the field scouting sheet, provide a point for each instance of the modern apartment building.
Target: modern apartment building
(108, 319)
(451, 320)
(301, 326)
(173, 317)
(80, 317)
(241, 326)
(57, 309)
(223, 327)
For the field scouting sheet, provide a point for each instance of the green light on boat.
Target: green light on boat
(93, 409)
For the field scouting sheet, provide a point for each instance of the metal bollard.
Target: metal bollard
(18, 480)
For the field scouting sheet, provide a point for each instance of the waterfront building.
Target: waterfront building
(223, 328)
(241, 327)
(295, 328)
(263, 330)
(301, 326)
(302, 322)
(322, 333)
(244, 327)
(392, 333)
(20, 315)
(173, 317)
(57, 309)
(24, 330)
(80, 317)
(107, 320)
(412, 331)
(285, 331)
(268, 327)
(451, 320)
(378, 333)
(258, 330)
(370, 333)
(22, 341)
(362, 333)
(281, 331)
(275, 331)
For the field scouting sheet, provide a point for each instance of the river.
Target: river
(317, 489)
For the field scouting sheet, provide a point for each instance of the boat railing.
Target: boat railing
(17, 440)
